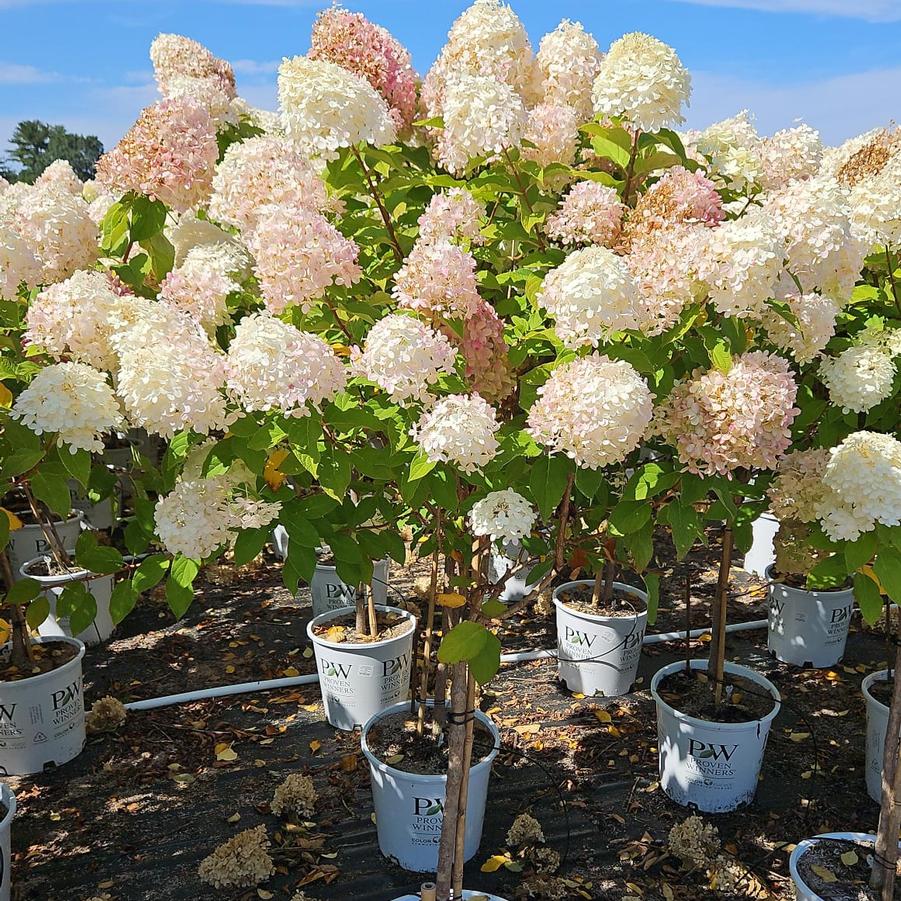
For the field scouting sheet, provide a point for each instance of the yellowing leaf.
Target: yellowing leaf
(290, 671)
(14, 521)
(274, 477)
(335, 633)
(233, 818)
(602, 716)
(225, 752)
(315, 745)
(6, 396)
(5, 631)
(495, 862)
(849, 858)
(799, 736)
(824, 874)
(452, 601)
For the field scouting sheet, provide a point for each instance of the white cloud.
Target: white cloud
(871, 10)
(14, 73)
(840, 106)
(255, 67)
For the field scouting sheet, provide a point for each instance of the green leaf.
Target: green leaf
(23, 591)
(463, 642)
(861, 551)
(866, 593)
(147, 218)
(493, 608)
(640, 545)
(122, 600)
(652, 583)
(299, 564)
(684, 526)
(96, 558)
(180, 584)
(588, 481)
(420, 466)
(249, 543)
(485, 664)
(548, 480)
(334, 473)
(4, 531)
(78, 604)
(630, 516)
(37, 612)
(150, 572)
(78, 465)
(888, 570)
(720, 357)
(50, 485)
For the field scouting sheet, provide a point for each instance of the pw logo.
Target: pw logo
(708, 751)
(427, 807)
(336, 670)
(66, 695)
(333, 591)
(583, 639)
(842, 613)
(7, 713)
(395, 665)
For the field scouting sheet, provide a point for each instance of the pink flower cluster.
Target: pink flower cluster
(591, 213)
(169, 154)
(351, 41)
(452, 216)
(298, 255)
(439, 279)
(486, 353)
(681, 196)
(723, 421)
(554, 130)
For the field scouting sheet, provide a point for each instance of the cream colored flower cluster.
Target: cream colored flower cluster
(241, 861)
(18, 264)
(454, 215)
(859, 378)
(815, 324)
(325, 107)
(459, 429)
(437, 278)
(792, 154)
(593, 409)
(569, 60)
(798, 492)
(60, 176)
(260, 171)
(590, 213)
(731, 149)
(72, 400)
(503, 516)
(553, 129)
(404, 357)
(272, 365)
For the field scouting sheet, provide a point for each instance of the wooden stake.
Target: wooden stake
(716, 667)
(688, 622)
(464, 787)
(598, 583)
(561, 528)
(373, 620)
(360, 606)
(429, 628)
(883, 875)
(428, 892)
(45, 521)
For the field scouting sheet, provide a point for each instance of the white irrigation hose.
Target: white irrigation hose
(223, 691)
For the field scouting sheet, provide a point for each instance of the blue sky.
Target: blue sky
(835, 64)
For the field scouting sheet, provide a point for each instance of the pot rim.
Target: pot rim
(57, 521)
(324, 567)
(383, 767)
(770, 572)
(733, 668)
(33, 680)
(343, 611)
(878, 676)
(642, 596)
(61, 578)
(803, 846)
(8, 798)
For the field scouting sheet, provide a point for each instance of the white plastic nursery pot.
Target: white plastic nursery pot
(599, 654)
(42, 718)
(807, 628)
(409, 807)
(467, 896)
(330, 593)
(359, 680)
(516, 558)
(104, 514)
(712, 767)
(100, 586)
(803, 892)
(762, 553)
(29, 542)
(877, 723)
(9, 802)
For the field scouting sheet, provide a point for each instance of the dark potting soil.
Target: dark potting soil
(800, 582)
(882, 691)
(394, 741)
(580, 600)
(824, 871)
(743, 700)
(49, 567)
(46, 656)
(342, 629)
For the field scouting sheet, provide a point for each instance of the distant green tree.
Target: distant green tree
(35, 145)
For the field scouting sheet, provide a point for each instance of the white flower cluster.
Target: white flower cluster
(325, 107)
(199, 516)
(590, 295)
(459, 429)
(789, 155)
(876, 204)
(797, 492)
(404, 357)
(569, 60)
(740, 264)
(263, 170)
(273, 365)
(642, 80)
(72, 400)
(859, 378)
(201, 283)
(864, 474)
(482, 117)
(815, 315)
(504, 516)
(454, 215)
(170, 376)
(593, 409)
(60, 176)
(553, 129)
(732, 149)
(18, 264)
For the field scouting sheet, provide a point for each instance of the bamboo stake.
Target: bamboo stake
(464, 787)
(373, 620)
(360, 607)
(45, 521)
(427, 892)
(688, 622)
(718, 632)
(429, 628)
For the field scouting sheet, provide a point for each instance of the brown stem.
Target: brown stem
(716, 666)
(429, 628)
(44, 518)
(523, 195)
(630, 170)
(596, 592)
(464, 787)
(386, 218)
(373, 619)
(883, 875)
(688, 622)
(564, 516)
(341, 325)
(360, 605)
(609, 573)
(20, 654)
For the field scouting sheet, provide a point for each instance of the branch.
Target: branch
(386, 218)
